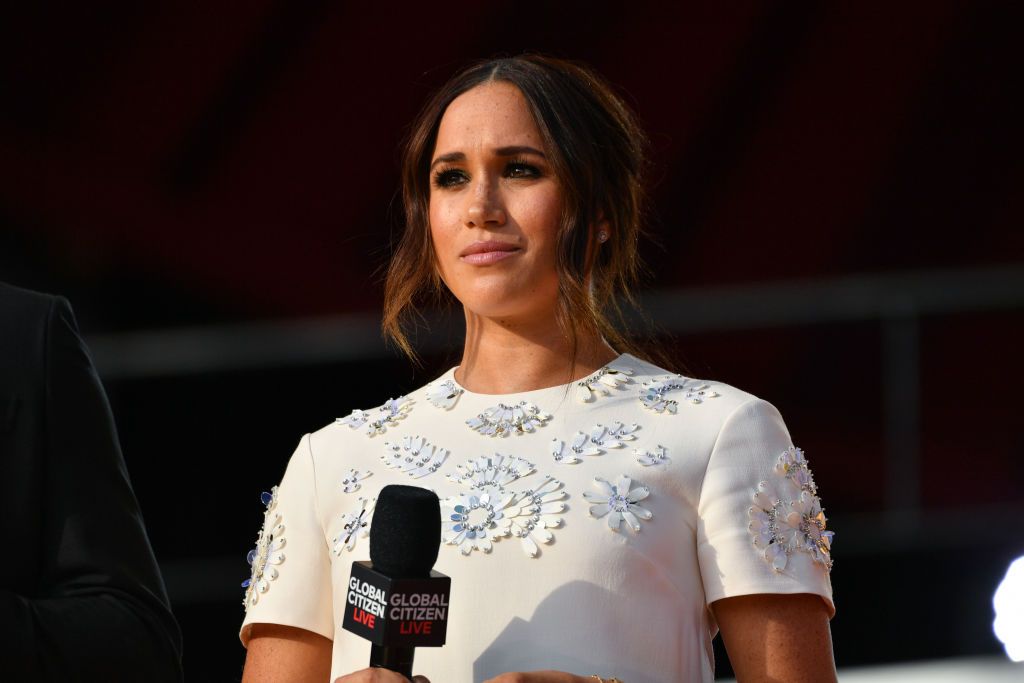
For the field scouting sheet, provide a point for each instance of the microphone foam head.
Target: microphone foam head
(405, 534)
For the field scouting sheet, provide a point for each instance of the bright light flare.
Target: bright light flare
(1009, 605)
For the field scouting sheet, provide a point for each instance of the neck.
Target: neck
(505, 357)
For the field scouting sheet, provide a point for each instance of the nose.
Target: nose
(484, 205)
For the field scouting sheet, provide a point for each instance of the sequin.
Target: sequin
(570, 453)
(652, 394)
(599, 383)
(351, 481)
(647, 457)
(502, 420)
(618, 502)
(613, 436)
(485, 470)
(354, 525)
(267, 555)
(414, 456)
(488, 512)
(377, 421)
(444, 394)
(787, 516)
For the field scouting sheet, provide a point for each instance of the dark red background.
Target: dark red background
(166, 165)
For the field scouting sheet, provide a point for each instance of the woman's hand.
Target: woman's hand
(377, 675)
(540, 677)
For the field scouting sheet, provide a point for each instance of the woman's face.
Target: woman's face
(495, 206)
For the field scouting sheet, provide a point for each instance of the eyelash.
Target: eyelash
(444, 177)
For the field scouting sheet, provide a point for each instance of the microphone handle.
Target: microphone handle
(397, 659)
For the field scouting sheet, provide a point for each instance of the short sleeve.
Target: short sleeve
(290, 581)
(761, 528)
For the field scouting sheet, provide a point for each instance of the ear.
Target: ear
(600, 228)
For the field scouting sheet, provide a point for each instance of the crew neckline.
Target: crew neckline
(450, 375)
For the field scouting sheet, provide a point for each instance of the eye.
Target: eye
(448, 177)
(518, 168)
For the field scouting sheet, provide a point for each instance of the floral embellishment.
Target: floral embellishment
(354, 525)
(485, 470)
(444, 394)
(350, 482)
(568, 453)
(651, 457)
(471, 519)
(613, 436)
(652, 394)
(490, 512)
(377, 421)
(599, 383)
(264, 558)
(618, 502)
(788, 518)
(502, 420)
(414, 456)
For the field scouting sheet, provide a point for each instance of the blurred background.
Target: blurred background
(838, 200)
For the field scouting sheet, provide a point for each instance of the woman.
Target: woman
(602, 517)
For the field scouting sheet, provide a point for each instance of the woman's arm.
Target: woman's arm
(285, 654)
(773, 638)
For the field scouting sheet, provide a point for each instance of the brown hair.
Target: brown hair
(598, 152)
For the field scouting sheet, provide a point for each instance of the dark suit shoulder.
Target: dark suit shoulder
(22, 310)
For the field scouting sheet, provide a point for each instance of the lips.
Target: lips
(483, 253)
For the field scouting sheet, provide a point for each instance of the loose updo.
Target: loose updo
(598, 153)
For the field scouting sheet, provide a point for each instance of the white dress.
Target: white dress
(599, 520)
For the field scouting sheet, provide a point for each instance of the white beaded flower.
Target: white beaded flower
(414, 456)
(502, 420)
(599, 383)
(613, 436)
(569, 453)
(652, 394)
(351, 481)
(471, 520)
(619, 502)
(485, 470)
(490, 511)
(787, 516)
(377, 421)
(647, 457)
(443, 394)
(354, 525)
(264, 558)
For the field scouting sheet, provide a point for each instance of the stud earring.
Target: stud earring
(602, 236)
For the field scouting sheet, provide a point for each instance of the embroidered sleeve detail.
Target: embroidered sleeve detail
(444, 394)
(653, 393)
(787, 516)
(378, 420)
(502, 420)
(599, 383)
(617, 502)
(414, 456)
(264, 558)
(355, 524)
(489, 511)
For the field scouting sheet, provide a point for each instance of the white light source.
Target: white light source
(1009, 605)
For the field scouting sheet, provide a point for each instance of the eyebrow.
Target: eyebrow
(512, 151)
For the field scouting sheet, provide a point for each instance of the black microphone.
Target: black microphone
(396, 600)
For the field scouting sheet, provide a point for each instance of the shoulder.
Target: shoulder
(369, 426)
(25, 309)
(706, 403)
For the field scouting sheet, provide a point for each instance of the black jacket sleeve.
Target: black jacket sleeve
(100, 611)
